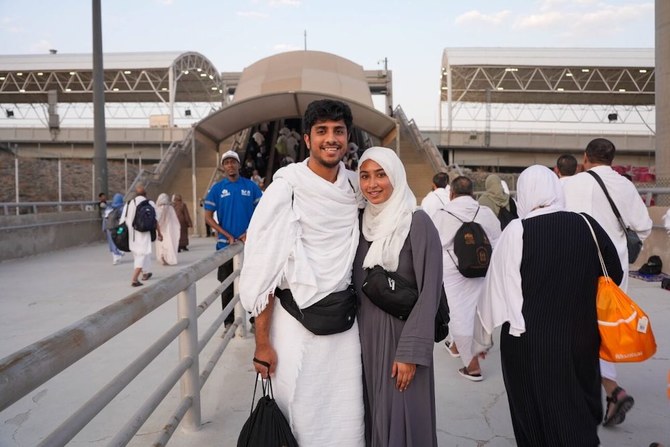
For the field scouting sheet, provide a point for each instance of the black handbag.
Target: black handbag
(120, 235)
(267, 426)
(390, 292)
(397, 296)
(632, 239)
(332, 314)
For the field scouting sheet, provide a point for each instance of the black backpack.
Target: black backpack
(145, 217)
(505, 216)
(472, 248)
(653, 266)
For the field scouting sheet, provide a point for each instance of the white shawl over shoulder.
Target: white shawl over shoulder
(304, 235)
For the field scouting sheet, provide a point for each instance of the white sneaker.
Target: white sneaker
(116, 259)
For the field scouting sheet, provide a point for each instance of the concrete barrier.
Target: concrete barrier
(32, 234)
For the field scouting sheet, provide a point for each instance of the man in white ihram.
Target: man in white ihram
(438, 197)
(584, 194)
(463, 293)
(302, 238)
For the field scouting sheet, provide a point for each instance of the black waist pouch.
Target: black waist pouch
(390, 292)
(333, 314)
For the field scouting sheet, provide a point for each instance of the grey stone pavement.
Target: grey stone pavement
(42, 294)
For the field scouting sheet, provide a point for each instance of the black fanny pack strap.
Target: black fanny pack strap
(607, 194)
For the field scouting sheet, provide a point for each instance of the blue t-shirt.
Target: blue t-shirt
(234, 203)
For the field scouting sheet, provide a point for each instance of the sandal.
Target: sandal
(136, 284)
(474, 377)
(618, 406)
(450, 344)
(147, 276)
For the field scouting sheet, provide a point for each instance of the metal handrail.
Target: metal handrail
(25, 370)
(33, 206)
(424, 144)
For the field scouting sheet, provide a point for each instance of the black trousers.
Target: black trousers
(227, 295)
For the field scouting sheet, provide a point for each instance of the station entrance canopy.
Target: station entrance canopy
(548, 75)
(283, 85)
(155, 77)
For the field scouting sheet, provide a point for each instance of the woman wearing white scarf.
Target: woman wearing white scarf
(168, 222)
(397, 355)
(541, 285)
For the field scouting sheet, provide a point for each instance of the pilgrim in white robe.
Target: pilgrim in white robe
(462, 293)
(584, 195)
(139, 241)
(436, 200)
(168, 222)
(303, 236)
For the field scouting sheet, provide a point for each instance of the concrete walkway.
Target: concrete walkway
(42, 294)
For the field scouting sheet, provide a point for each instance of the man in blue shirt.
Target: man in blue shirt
(233, 199)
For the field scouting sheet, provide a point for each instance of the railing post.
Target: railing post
(188, 347)
(240, 313)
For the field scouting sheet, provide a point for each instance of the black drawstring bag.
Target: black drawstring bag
(266, 426)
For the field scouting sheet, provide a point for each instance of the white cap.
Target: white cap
(230, 154)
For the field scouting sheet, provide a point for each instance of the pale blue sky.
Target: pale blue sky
(234, 34)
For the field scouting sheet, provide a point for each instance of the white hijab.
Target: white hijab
(387, 224)
(538, 192)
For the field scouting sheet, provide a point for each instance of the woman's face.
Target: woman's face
(375, 184)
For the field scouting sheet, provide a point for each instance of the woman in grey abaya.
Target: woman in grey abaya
(541, 284)
(397, 355)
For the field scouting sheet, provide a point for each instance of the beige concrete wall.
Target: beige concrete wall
(32, 234)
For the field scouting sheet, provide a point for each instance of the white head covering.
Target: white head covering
(387, 224)
(538, 187)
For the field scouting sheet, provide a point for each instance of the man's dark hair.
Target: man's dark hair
(441, 179)
(326, 109)
(101, 194)
(567, 165)
(462, 186)
(600, 151)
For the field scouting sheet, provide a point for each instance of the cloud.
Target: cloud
(540, 20)
(252, 14)
(476, 16)
(284, 2)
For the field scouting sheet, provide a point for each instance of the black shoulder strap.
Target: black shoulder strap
(462, 221)
(607, 194)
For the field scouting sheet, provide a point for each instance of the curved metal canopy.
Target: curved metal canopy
(282, 86)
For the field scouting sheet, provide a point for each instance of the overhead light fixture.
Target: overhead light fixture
(445, 88)
(501, 88)
(622, 90)
(643, 71)
(39, 73)
(560, 89)
(202, 75)
(612, 117)
(585, 70)
(215, 88)
(185, 72)
(569, 75)
(115, 89)
(187, 112)
(2, 78)
(127, 72)
(22, 90)
(68, 89)
(9, 113)
(511, 69)
(164, 89)
(211, 77)
(72, 73)
(198, 70)
(19, 74)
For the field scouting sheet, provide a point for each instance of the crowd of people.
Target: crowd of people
(167, 228)
(314, 236)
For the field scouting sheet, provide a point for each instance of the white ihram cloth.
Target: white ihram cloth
(463, 293)
(584, 195)
(538, 192)
(387, 224)
(303, 236)
(168, 222)
(436, 200)
(139, 241)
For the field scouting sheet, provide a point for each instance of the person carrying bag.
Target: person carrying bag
(625, 329)
(266, 426)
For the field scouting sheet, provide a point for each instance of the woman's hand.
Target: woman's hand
(404, 374)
